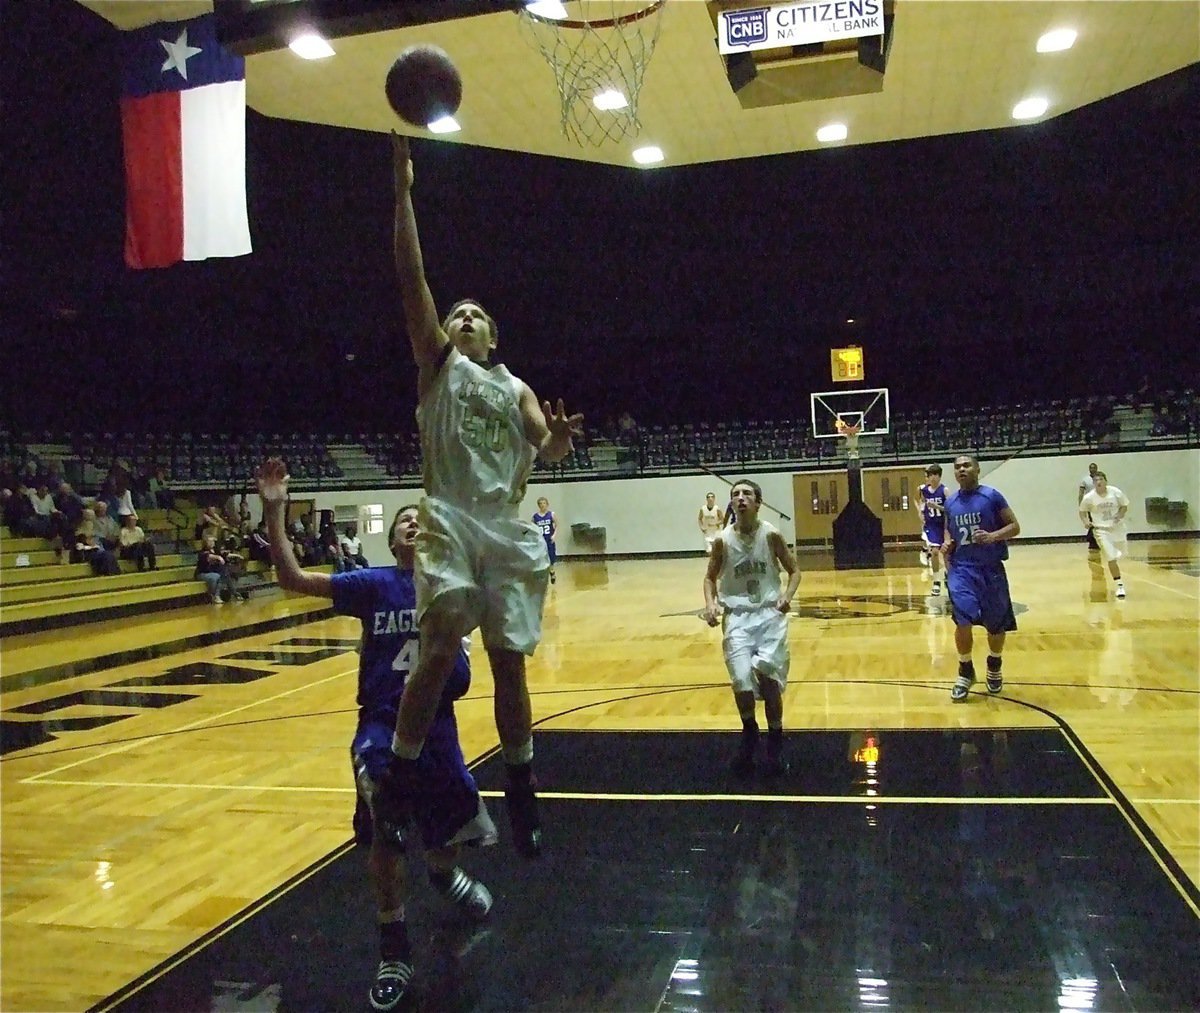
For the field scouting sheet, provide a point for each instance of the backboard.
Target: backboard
(866, 408)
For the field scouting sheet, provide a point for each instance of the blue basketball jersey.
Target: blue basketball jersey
(384, 599)
(544, 523)
(968, 512)
(933, 506)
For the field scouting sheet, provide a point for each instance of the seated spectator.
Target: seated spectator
(352, 546)
(43, 502)
(135, 545)
(243, 517)
(210, 524)
(331, 552)
(20, 517)
(627, 430)
(158, 492)
(259, 544)
(107, 530)
(212, 568)
(89, 549)
(67, 516)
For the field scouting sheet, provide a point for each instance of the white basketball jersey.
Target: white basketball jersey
(472, 435)
(712, 518)
(1104, 509)
(750, 575)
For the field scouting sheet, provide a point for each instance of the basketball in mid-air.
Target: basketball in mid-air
(423, 85)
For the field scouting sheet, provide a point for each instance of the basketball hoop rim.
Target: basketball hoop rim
(580, 25)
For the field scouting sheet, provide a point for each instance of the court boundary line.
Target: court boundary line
(212, 935)
(617, 796)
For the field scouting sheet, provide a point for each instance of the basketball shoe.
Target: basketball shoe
(520, 797)
(962, 685)
(743, 762)
(995, 680)
(466, 893)
(391, 983)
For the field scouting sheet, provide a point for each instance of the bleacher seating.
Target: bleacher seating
(39, 591)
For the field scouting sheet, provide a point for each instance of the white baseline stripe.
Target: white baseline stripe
(609, 796)
(583, 796)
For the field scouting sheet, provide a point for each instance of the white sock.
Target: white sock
(520, 755)
(964, 659)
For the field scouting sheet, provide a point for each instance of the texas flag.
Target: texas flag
(183, 117)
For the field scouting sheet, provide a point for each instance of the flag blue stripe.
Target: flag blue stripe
(143, 57)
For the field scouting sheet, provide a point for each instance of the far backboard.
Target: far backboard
(868, 408)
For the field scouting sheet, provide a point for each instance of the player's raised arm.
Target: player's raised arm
(273, 488)
(420, 314)
(550, 431)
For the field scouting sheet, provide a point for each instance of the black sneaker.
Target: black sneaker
(391, 982)
(964, 682)
(743, 763)
(776, 766)
(521, 800)
(995, 680)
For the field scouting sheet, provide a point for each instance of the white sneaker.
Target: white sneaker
(1120, 590)
(937, 588)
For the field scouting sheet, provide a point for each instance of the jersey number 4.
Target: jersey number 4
(406, 658)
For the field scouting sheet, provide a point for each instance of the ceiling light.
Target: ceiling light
(552, 9)
(1056, 41)
(310, 46)
(444, 125)
(1030, 108)
(610, 99)
(648, 155)
(832, 132)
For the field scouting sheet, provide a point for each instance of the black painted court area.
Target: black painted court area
(1011, 883)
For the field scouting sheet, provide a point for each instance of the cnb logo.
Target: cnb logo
(745, 28)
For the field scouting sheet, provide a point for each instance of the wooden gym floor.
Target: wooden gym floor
(162, 775)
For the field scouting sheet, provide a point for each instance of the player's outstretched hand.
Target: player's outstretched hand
(712, 616)
(402, 167)
(559, 423)
(272, 480)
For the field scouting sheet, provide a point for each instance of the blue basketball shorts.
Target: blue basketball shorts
(979, 597)
(447, 808)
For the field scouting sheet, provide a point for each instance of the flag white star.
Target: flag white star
(178, 54)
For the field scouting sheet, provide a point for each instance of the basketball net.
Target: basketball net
(850, 434)
(602, 54)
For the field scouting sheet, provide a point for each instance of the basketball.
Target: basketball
(423, 85)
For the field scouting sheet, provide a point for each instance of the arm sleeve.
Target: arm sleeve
(353, 593)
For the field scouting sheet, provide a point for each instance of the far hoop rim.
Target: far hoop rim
(579, 24)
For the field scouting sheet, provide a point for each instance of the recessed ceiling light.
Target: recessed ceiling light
(648, 155)
(310, 46)
(610, 99)
(444, 125)
(1030, 108)
(552, 9)
(1056, 41)
(832, 132)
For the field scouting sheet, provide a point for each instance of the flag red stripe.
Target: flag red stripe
(153, 180)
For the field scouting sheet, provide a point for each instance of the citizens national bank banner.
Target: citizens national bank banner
(798, 24)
